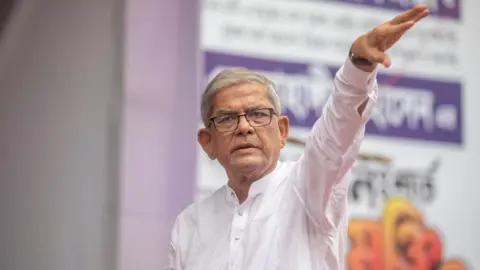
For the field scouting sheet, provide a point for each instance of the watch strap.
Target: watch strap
(358, 61)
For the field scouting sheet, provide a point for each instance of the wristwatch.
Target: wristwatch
(358, 61)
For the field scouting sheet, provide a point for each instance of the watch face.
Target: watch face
(6, 8)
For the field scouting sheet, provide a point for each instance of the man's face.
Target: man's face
(246, 150)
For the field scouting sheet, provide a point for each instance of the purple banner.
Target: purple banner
(442, 8)
(414, 108)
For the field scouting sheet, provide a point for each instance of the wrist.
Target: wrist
(360, 62)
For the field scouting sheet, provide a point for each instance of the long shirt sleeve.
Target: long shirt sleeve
(321, 174)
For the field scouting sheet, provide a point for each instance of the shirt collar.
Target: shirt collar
(258, 187)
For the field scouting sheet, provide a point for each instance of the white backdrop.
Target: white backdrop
(420, 153)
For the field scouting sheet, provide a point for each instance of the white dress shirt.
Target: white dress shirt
(295, 217)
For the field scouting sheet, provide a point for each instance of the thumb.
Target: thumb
(380, 57)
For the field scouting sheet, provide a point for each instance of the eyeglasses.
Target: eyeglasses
(229, 121)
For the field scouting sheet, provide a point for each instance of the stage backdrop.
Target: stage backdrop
(415, 176)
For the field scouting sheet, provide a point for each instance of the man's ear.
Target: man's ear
(283, 126)
(205, 140)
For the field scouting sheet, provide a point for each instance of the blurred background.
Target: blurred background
(99, 107)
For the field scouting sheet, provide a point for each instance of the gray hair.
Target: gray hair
(235, 76)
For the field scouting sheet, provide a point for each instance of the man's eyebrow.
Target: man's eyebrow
(255, 108)
(224, 111)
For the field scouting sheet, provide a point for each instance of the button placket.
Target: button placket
(238, 224)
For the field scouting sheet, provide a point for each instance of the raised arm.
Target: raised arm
(320, 178)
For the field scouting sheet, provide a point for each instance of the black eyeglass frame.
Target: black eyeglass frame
(271, 110)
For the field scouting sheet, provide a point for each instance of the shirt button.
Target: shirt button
(237, 237)
(240, 213)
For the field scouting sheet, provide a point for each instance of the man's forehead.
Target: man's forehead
(241, 93)
(243, 89)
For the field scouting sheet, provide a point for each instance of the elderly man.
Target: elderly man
(274, 215)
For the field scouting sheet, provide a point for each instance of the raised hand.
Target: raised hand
(373, 45)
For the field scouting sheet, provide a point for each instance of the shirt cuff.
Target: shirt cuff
(358, 78)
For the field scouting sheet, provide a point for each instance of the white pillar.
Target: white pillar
(160, 120)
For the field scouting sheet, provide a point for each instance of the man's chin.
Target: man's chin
(247, 163)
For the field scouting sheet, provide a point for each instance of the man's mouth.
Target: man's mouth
(243, 147)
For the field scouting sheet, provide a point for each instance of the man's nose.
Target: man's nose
(244, 126)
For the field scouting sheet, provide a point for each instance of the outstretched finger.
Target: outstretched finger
(398, 29)
(422, 15)
(411, 14)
